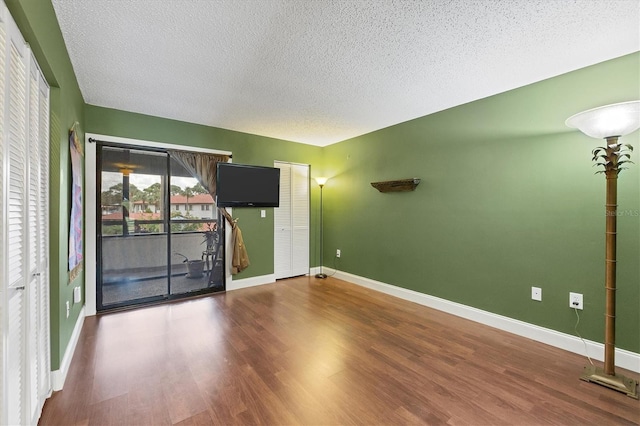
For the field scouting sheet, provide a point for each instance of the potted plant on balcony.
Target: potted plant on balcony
(194, 267)
(211, 237)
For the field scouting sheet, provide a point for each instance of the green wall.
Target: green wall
(508, 200)
(246, 148)
(39, 26)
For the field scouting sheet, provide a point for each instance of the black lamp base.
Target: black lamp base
(323, 276)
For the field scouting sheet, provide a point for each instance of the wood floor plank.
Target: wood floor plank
(146, 403)
(308, 351)
(200, 419)
(182, 395)
(110, 412)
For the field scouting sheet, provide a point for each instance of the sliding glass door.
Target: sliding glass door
(196, 236)
(159, 234)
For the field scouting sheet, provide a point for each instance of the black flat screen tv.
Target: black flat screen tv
(242, 185)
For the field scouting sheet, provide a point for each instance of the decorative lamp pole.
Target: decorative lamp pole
(610, 122)
(321, 181)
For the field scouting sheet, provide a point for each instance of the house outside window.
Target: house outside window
(202, 203)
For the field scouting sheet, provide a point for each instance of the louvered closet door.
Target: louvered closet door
(42, 229)
(3, 268)
(291, 222)
(300, 219)
(33, 183)
(37, 291)
(282, 225)
(16, 121)
(24, 240)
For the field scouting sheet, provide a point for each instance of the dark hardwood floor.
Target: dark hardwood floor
(320, 352)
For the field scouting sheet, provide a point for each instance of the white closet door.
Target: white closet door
(291, 222)
(3, 268)
(37, 291)
(33, 195)
(43, 346)
(282, 225)
(300, 219)
(24, 242)
(17, 254)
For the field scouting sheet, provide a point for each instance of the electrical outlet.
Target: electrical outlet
(263, 213)
(536, 293)
(68, 309)
(575, 301)
(338, 253)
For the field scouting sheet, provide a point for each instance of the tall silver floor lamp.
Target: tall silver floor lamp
(321, 181)
(610, 122)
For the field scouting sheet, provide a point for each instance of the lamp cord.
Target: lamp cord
(334, 267)
(578, 334)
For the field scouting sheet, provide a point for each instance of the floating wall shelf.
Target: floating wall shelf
(401, 185)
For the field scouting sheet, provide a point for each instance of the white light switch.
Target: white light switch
(263, 213)
(77, 296)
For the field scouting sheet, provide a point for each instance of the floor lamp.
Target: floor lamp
(610, 122)
(321, 181)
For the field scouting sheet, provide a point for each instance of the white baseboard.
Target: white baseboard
(59, 376)
(250, 282)
(624, 359)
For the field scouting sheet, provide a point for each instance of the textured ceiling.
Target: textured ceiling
(319, 72)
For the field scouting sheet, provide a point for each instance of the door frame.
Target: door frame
(91, 210)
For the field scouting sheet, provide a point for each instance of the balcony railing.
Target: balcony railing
(143, 254)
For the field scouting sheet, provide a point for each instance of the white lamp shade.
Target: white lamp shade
(606, 121)
(321, 180)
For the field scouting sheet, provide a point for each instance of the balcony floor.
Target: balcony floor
(130, 286)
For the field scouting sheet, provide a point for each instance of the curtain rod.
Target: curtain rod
(92, 140)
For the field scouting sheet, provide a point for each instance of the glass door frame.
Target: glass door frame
(92, 200)
(100, 306)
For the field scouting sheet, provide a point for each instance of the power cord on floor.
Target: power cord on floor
(578, 334)
(334, 266)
